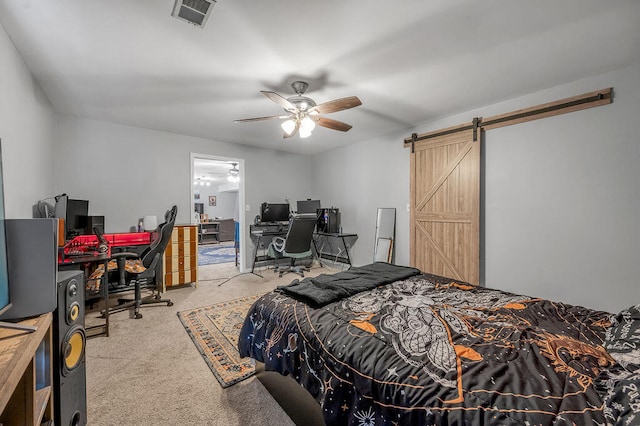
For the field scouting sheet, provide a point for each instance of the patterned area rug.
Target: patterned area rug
(210, 254)
(215, 330)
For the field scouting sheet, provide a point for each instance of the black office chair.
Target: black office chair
(141, 269)
(296, 245)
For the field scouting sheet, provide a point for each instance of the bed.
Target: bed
(425, 349)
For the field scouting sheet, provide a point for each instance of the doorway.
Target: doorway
(217, 197)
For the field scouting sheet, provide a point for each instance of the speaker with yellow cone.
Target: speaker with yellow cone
(70, 394)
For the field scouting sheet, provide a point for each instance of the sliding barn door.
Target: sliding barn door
(445, 206)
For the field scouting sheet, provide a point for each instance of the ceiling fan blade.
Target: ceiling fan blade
(333, 124)
(337, 105)
(247, 120)
(279, 100)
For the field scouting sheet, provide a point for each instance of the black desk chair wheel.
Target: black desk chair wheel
(141, 269)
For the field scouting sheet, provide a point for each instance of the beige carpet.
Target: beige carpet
(148, 372)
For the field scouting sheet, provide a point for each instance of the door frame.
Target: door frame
(241, 197)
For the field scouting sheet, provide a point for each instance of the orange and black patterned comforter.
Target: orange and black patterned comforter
(430, 350)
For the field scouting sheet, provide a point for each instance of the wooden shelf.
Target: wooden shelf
(209, 233)
(25, 358)
(42, 399)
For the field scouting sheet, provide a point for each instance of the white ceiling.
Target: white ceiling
(212, 171)
(409, 61)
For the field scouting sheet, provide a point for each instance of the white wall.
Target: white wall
(226, 202)
(562, 200)
(358, 179)
(127, 172)
(561, 195)
(26, 131)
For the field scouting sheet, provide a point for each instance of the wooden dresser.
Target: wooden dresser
(180, 263)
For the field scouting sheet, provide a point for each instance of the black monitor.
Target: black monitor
(308, 206)
(76, 216)
(272, 212)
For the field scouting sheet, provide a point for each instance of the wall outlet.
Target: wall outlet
(247, 208)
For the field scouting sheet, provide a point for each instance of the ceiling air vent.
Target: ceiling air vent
(195, 12)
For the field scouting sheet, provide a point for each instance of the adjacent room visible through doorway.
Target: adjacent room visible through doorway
(217, 193)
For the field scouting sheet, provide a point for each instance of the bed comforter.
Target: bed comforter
(431, 350)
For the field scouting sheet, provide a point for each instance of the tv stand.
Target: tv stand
(26, 374)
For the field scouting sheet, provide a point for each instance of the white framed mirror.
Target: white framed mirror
(385, 235)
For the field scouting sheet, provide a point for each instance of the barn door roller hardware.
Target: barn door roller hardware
(576, 103)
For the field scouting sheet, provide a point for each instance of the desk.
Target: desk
(333, 246)
(73, 262)
(80, 253)
(261, 234)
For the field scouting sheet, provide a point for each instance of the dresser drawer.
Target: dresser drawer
(184, 234)
(181, 249)
(180, 263)
(181, 277)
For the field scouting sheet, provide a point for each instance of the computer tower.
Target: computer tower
(328, 220)
(32, 255)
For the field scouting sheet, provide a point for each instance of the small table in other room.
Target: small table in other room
(333, 246)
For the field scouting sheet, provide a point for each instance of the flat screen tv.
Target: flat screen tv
(5, 301)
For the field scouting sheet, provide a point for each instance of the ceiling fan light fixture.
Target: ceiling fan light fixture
(305, 132)
(303, 113)
(288, 126)
(307, 123)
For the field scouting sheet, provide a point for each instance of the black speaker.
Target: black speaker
(69, 339)
(32, 256)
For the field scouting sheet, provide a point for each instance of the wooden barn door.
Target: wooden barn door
(445, 206)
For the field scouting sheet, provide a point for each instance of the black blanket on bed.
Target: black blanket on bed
(432, 350)
(324, 289)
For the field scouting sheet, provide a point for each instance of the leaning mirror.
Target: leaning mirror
(385, 235)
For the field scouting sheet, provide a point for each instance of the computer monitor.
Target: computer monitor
(272, 212)
(308, 206)
(76, 216)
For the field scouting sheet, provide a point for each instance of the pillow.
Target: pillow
(622, 339)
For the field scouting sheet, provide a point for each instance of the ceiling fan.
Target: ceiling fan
(303, 113)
